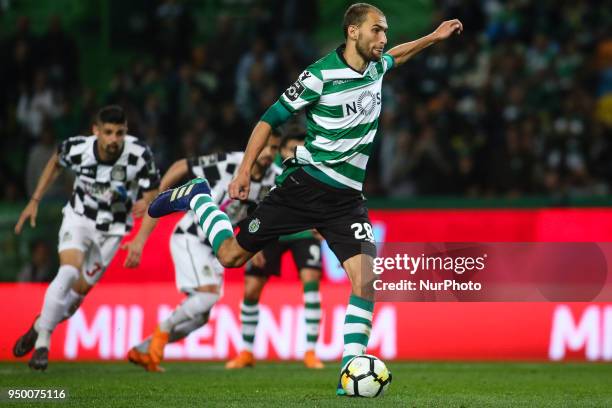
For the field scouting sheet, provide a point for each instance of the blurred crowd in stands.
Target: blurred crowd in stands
(519, 104)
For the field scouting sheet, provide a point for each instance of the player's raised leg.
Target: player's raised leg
(215, 224)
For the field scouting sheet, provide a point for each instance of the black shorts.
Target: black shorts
(306, 254)
(303, 202)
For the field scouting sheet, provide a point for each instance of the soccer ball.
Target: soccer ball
(365, 376)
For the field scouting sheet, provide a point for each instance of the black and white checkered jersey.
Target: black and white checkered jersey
(105, 191)
(219, 170)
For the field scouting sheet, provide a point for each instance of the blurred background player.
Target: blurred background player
(110, 167)
(198, 273)
(306, 250)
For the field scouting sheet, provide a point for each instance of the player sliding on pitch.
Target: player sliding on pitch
(321, 187)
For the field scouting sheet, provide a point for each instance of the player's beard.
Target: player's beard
(113, 150)
(365, 52)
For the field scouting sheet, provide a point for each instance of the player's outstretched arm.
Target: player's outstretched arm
(239, 187)
(403, 52)
(135, 246)
(49, 174)
(175, 173)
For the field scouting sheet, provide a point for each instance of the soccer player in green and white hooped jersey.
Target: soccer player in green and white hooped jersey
(321, 188)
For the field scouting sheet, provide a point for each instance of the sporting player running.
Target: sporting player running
(199, 274)
(321, 189)
(306, 250)
(110, 167)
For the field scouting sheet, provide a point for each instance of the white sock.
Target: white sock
(43, 339)
(249, 318)
(37, 325)
(182, 330)
(312, 313)
(179, 332)
(54, 305)
(72, 303)
(196, 304)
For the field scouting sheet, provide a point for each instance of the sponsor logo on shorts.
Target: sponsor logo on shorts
(254, 225)
(67, 236)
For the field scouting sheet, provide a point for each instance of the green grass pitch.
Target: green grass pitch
(289, 384)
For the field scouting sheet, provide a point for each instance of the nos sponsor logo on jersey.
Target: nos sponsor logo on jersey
(364, 105)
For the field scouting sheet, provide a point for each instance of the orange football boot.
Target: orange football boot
(244, 359)
(159, 339)
(136, 357)
(143, 360)
(312, 361)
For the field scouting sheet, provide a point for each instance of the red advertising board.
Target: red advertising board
(116, 316)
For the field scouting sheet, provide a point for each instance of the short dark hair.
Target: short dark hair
(356, 14)
(300, 137)
(111, 114)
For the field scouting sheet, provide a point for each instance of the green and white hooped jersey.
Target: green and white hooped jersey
(342, 108)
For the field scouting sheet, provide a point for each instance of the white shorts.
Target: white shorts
(78, 232)
(195, 264)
